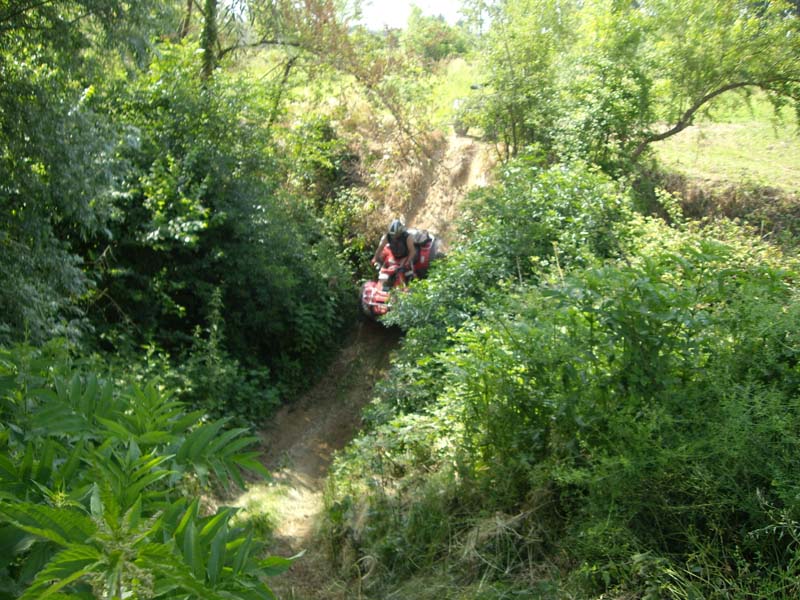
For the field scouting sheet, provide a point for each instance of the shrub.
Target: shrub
(635, 397)
(101, 487)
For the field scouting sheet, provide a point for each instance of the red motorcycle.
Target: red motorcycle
(393, 275)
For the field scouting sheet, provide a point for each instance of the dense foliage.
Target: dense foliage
(587, 402)
(154, 200)
(606, 405)
(432, 38)
(55, 168)
(101, 485)
(203, 213)
(158, 208)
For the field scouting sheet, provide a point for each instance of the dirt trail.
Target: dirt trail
(463, 164)
(301, 440)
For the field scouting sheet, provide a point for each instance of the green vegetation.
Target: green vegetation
(591, 402)
(740, 143)
(587, 402)
(191, 233)
(604, 81)
(595, 397)
(102, 484)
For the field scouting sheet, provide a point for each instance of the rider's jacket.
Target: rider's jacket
(398, 244)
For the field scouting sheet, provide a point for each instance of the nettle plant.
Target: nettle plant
(101, 490)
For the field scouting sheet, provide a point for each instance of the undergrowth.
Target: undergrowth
(587, 403)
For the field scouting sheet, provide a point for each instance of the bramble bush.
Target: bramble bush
(622, 420)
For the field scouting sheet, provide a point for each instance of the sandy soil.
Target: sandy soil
(427, 193)
(462, 164)
(300, 443)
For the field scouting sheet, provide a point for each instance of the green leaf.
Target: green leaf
(133, 491)
(275, 565)
(216, 559)
(88, 403)
(60, 525)
(225, 438)
(192, 551)
(252, 462)
(155, 438)
(187, 420)
(68, 470)
(96, 503)
(63, 569)
(12, 541)
(44, 467)
(217, 522)
(133, 516)
(243, 554)
(194, 445)
(116, 428)
(8, 470)
(26, 465)
(75, 391)
(188, 517)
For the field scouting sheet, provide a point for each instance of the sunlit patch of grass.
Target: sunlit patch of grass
(443, 584)
(738, 143)
(452, 82)
(260, 507)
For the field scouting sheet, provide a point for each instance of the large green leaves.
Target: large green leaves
(93, 492)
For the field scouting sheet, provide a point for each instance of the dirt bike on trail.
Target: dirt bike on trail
(393, 275)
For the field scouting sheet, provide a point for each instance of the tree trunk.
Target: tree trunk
(187, 20)
(209, 40)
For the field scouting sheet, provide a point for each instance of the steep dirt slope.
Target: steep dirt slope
(300, 442)
(428, 195)
(462, 164)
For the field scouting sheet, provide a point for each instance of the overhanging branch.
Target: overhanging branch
(260, 43)
(687, 117)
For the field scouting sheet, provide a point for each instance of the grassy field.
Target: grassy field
(738, 144)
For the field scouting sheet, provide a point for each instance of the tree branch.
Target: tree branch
(22, 10)
(687, 117)
(259, 44)
(187, 20)
(279, 94)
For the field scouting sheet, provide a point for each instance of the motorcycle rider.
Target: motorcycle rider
(401, 243)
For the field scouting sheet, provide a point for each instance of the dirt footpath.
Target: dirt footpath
(299, 445)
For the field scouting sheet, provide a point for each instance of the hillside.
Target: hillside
(594, 394)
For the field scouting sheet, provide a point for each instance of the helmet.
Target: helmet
(396, 227)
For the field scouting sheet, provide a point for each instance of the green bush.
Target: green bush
(100, 487)
(628, 410)
(206, 207)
